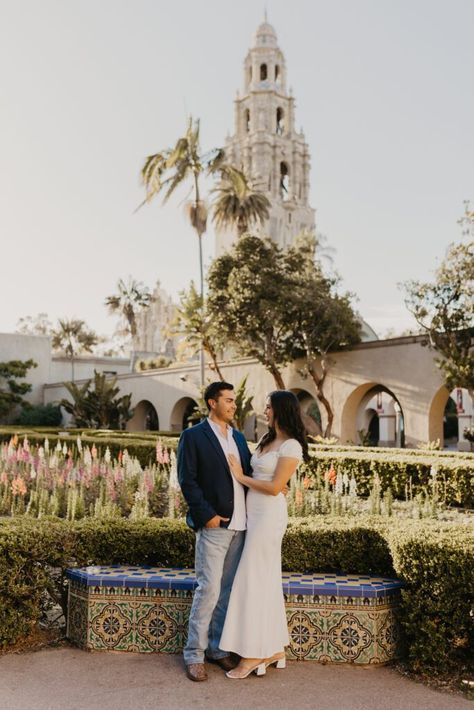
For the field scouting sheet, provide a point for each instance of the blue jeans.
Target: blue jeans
(218, 553)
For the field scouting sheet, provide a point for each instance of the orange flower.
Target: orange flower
(306, 482)
(331, 476)
(18, 487)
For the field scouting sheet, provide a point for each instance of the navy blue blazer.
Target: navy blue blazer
(204, 474)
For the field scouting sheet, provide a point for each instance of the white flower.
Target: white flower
(353, 487)
(173, 479)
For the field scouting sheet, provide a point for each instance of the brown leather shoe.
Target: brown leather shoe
(196, 672)
(227, 663)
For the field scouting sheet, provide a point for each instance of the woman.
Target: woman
(255, 627)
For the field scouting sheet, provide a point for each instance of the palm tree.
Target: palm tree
(73, 337)
(238, 203)
(130, 296)
(165, 171)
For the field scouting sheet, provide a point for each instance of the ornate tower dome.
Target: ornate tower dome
(266, 145)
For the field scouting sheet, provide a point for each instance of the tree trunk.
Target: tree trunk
(272, 368)
(319, 383)
(215, 364)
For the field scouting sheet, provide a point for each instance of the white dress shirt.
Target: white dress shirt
(239, 517)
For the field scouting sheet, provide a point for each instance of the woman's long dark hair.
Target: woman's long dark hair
(287, 414)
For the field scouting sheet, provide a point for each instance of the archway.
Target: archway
(449, 414)
(310, 412)
(182, 415)
(145, 417)
(372, 410)
(372, 426)
(450, 424)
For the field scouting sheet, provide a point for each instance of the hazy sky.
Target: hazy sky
(89, 88)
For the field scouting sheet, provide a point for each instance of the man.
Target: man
(217, 513)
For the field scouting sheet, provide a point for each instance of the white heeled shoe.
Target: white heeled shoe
(259, 668)
(278, 661)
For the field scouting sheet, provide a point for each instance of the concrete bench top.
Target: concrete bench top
(324, 584)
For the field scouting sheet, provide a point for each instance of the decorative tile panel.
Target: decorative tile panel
(331, 617)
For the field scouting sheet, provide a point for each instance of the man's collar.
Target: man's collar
(215, 425)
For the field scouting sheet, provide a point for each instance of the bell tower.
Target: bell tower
(265, 144)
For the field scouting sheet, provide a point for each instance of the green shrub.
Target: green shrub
(403, 472)
(436, 560)
(40, 415)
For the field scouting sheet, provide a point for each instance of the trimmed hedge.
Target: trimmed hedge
(435, 559)
(398, 468)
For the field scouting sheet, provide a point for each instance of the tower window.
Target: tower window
(277, 72)
(250, 73)
(247, 119)
(280, 125)
(284, 181)
(263, 72)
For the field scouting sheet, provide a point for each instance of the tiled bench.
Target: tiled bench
(331, 617)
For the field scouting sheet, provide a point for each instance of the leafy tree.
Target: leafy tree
(169, 169)
(73, 337)
(322, 319)
(12, 391)
(444, 309)
(130, 296)
(194, 321)
(277, 305)
(98, 408)
(35, 325)
(248, 298)
(238, 204)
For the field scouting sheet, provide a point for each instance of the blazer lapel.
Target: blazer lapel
(215, 442)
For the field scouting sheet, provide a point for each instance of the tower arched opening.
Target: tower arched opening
(263, 72)
(284, 181)
(247, 119)
(277, 72)
(280, 121)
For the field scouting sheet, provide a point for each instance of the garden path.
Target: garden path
(71, 679)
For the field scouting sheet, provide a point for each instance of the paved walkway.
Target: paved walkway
(71, 679)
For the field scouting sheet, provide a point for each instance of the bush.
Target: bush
(436, 560)
(40, 415)
(401, 471)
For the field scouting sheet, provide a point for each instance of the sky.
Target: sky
(89, 88)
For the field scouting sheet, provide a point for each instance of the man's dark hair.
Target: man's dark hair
(214, 389)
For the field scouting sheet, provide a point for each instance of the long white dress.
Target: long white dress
(255, 625)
